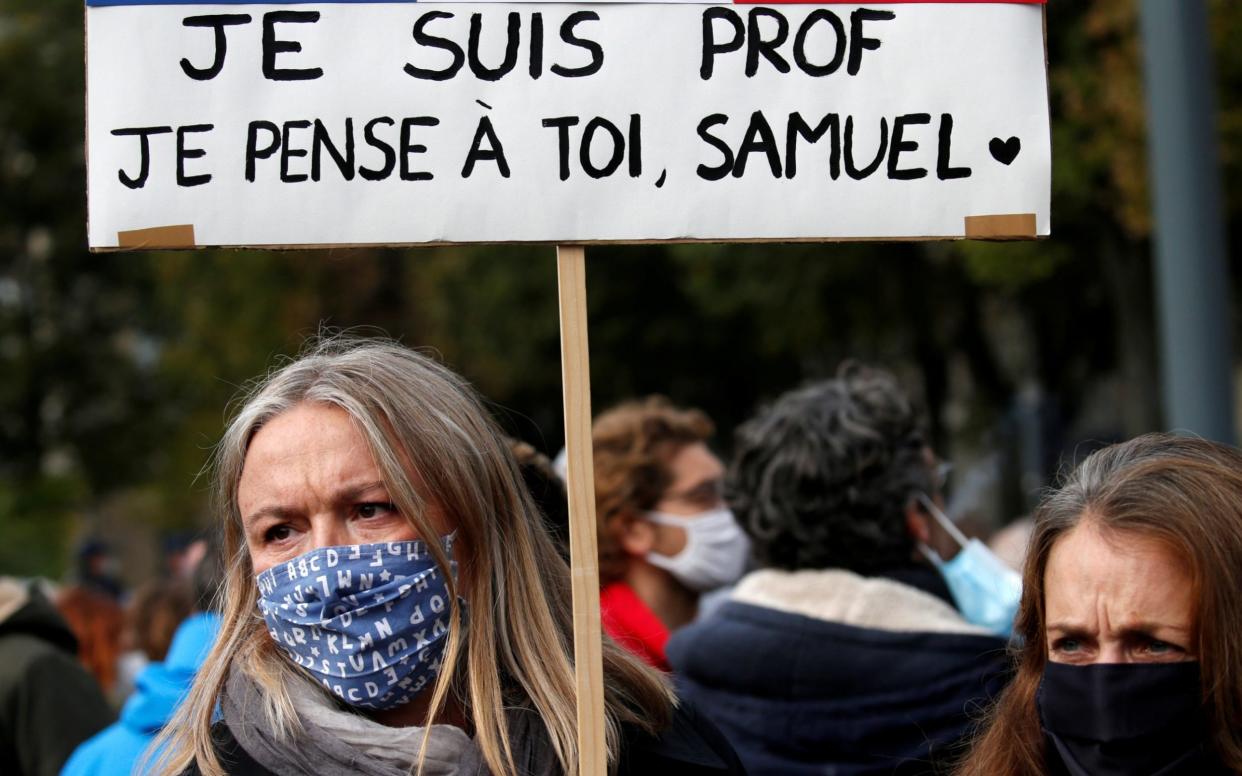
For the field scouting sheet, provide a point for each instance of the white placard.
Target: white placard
(850, 122)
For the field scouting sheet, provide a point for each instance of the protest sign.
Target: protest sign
(346, 123)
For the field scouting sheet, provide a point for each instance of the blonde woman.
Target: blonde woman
(392, 603)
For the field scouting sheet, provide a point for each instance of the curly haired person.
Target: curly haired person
(666, 536)
(846, 651)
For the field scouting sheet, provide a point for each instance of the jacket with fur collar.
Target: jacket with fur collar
(827, 672)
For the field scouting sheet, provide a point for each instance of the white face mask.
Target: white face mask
(715, 553)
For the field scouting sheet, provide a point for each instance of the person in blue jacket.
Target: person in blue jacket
(848, 651)
(121, 748)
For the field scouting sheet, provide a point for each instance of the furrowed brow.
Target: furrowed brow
(275, 512)
(1068, 629)
(354, 492)
(1150, 628)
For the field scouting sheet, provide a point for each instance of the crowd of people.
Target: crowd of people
(92, 672)
(387, 592)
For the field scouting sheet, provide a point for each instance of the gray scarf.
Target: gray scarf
(336, 742)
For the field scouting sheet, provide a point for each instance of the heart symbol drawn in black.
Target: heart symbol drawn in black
(1005, 151)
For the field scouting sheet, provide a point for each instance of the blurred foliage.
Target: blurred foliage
(115, 370)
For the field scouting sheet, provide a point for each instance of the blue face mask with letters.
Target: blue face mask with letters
(368, 621)
(987, 592)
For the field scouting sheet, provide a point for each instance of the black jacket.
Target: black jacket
(691, 746)
(48, 702)
(800, 695)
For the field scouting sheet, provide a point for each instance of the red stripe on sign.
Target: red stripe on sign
(885, 2)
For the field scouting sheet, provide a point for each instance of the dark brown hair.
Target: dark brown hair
(152, 618)
(1184, 492)
(547, 489)
(633, 444)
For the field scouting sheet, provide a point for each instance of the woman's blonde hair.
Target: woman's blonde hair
(1184, 492)
(434, 443)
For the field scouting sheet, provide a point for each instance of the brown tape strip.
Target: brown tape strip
(1007, 226)
(179, 236)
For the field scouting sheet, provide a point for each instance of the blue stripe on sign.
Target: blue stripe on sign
(234, 2)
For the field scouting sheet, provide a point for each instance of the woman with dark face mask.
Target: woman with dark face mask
(1131, 663)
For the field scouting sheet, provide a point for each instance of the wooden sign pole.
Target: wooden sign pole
(583, 551)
